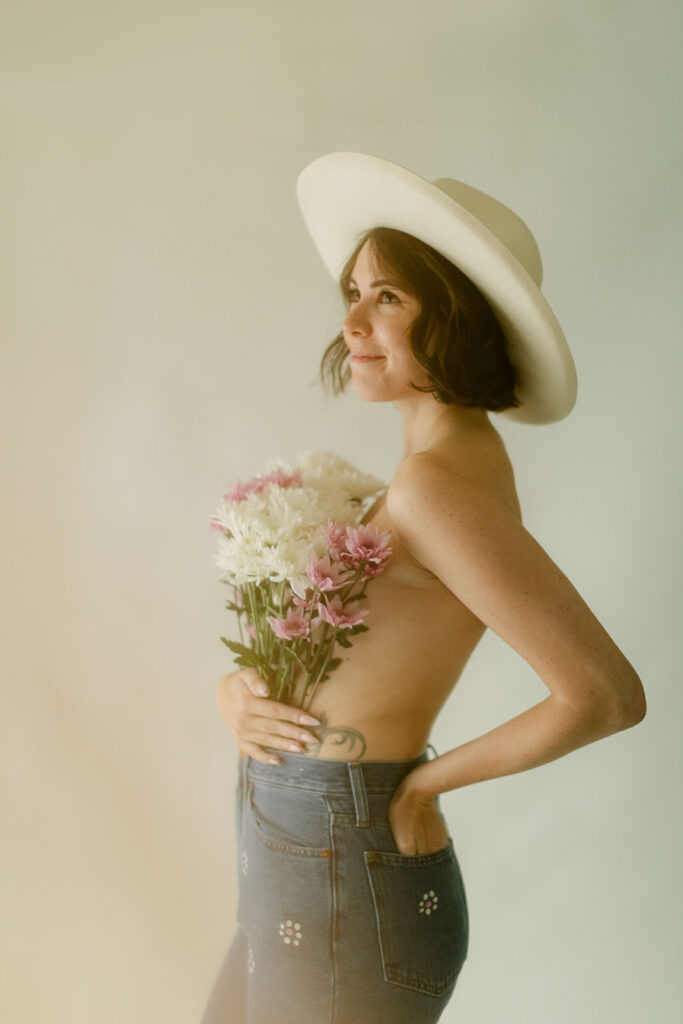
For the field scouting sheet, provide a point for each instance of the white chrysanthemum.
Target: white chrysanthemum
(238, 565)
(331, 472)
(274, 533)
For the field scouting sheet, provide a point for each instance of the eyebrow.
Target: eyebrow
(377, 284)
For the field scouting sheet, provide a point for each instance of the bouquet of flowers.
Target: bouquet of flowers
(293, 548)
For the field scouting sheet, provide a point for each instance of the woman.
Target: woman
(352, 906)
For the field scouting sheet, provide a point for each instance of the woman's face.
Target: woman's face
(378, 324)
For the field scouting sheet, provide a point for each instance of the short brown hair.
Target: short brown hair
(456, 337)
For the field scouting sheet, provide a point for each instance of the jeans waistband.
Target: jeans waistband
(327, 775)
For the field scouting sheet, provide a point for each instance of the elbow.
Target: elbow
(617, 702)
(636, 710)
(631, 706)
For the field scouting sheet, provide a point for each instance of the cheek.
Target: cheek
(397, 338)
(401, 365)
(402, 350)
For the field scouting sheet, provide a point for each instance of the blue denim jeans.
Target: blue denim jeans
(335, 926)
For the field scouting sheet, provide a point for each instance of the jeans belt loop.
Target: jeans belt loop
(360, 796)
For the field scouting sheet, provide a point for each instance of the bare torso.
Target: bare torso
(382, 700)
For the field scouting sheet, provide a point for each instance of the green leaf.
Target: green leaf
(247, 658)
(342, 641)
(359, 628)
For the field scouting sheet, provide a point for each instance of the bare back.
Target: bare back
(382, 700)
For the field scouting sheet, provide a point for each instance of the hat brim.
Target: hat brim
(342, 195)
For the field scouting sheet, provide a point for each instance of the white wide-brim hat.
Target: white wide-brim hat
(343, 195)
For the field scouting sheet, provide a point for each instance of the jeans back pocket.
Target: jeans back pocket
(422, 917)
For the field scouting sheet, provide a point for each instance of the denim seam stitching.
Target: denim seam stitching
(293, 851)
(334, 922)
(284, 848)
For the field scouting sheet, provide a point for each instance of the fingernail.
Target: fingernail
(296, 747)
(274, 760)
(308, 720)
(262, 688)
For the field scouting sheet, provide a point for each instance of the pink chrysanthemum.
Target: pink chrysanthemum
(334, 612)
(335, 535)
(239, 491)
(366, 543)
(282, 478)
(325, 574)
(302, 602)
(294, 626)
(219, 528)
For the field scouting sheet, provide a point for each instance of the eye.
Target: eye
(384, 297)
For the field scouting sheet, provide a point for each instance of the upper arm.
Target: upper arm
(457, 526)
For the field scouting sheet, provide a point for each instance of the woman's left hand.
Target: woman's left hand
(416, 823)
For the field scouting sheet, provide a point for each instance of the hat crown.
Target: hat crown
(501, 221)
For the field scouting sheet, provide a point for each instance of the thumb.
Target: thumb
(258, 686)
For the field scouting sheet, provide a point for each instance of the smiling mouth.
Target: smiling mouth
(366, 359)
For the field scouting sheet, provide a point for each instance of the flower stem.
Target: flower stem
(317, 669)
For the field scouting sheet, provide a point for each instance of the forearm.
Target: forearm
(541, 734)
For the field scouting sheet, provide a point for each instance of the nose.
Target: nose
(356, 322)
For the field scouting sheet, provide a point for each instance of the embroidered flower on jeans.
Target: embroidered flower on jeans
(250, 961)
(429, 902)
(290, 932)
(245, 863)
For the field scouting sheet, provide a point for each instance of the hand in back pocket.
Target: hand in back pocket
(416, 823)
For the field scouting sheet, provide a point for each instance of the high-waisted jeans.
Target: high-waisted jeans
(335, 926)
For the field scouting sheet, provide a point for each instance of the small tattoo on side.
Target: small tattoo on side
(337, 734)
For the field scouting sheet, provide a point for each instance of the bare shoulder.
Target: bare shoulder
(479, 469)
(458, 493)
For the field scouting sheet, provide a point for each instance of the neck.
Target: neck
(426, 422)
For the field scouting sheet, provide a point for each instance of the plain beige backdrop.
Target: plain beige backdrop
(163, 313)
